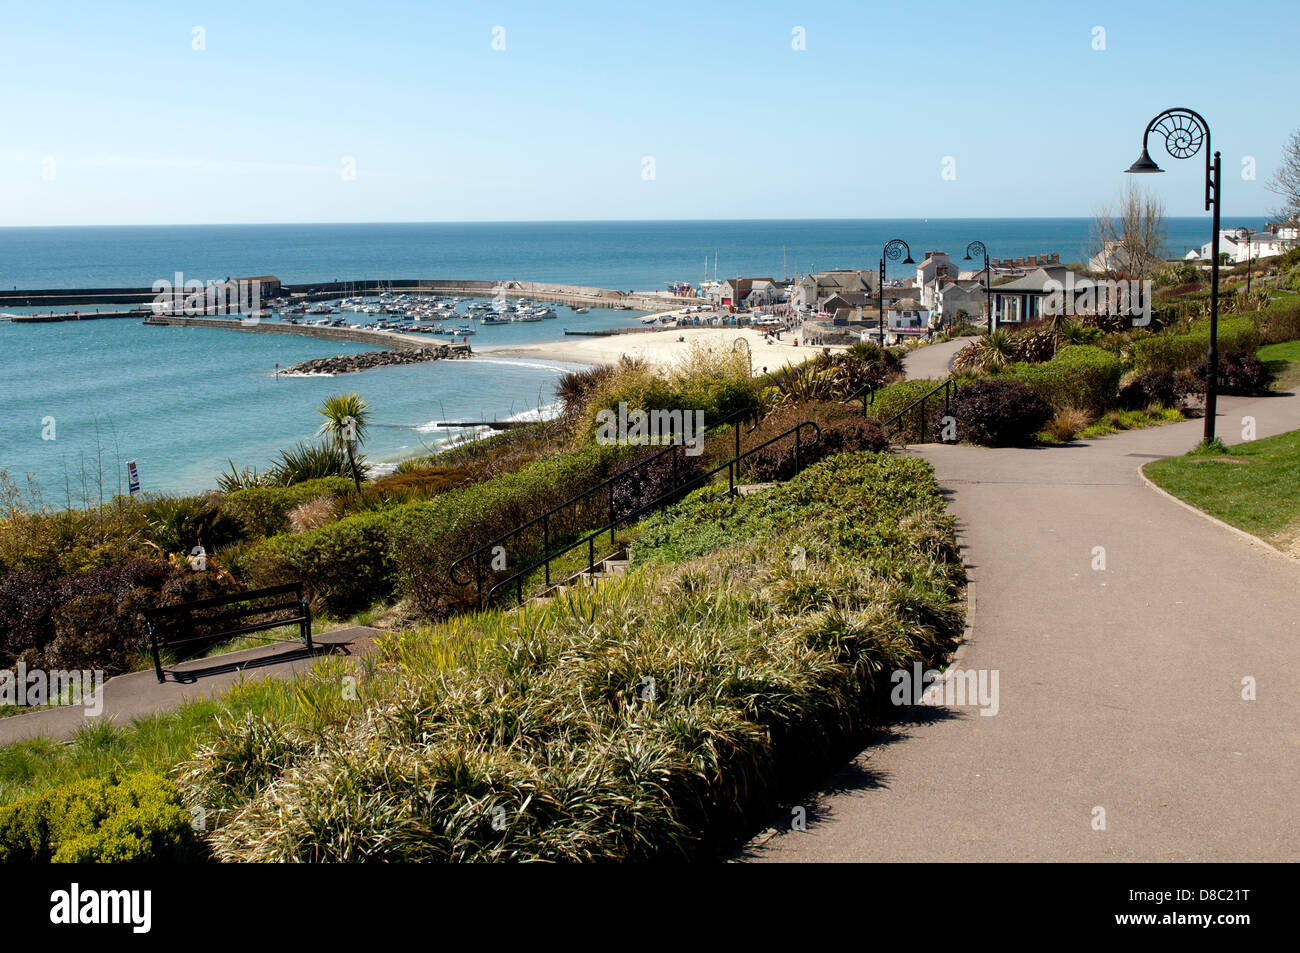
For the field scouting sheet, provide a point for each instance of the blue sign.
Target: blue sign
(132, 478)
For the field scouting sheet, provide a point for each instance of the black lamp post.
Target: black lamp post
(894, 249)
(1185, 131)
(1250, 235)
(979, 249)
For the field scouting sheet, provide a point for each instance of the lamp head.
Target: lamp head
(908, 260)
(1144, 163)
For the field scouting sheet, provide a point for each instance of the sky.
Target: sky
(242, 112)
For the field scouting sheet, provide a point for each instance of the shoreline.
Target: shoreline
(664, 348)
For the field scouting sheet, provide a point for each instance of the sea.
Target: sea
(78, 400)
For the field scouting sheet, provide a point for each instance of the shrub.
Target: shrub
(91, 620)
(346, 564)
(714, 380)
(1066, 424)
(1177, 273)
(179, 524)
(650, 479)
(1278, 323)
(1078, 376)
(1151, 387)
(264, 510)
(422, 482)
(576, 388)
(997, 412)
(1240, 373)
(890, 401)
(132, 819)
(1174, 352)
(843, 428)
(311, 515)
(312, 461)
(449, 526)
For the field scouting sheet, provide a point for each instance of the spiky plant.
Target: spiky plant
(312, 461)
(346, 418)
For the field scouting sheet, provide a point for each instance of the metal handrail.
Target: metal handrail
(590, 538)
(949, 388)
(608, 482)
(868, 394)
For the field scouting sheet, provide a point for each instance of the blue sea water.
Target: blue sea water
(181, 402)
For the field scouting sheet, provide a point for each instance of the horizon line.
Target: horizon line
(599, 221)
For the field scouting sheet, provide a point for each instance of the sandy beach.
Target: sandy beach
(665, 347)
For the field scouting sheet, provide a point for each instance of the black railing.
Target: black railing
(866, 393)
(949, 389)
(609, 485)
(615, 520)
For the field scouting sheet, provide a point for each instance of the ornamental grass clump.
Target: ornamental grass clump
(660, 715)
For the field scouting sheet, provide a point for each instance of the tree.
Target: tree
(346, 418)
(1286, 180)
(1130, 234)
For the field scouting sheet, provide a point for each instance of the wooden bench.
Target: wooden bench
(202, 621)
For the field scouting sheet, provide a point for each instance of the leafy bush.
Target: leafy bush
(455, 523)
(1173, 352)
(843, 428)
(1176, 273)
(891, 400)
(1278, 323)
(90, 620)
(264, 510)
(1078, 376)
(1240, 373)
(132, 819)
(997, 412)
(649, 479)
(422, 482)
(714, 380)
(346, 564)
(1152, 387)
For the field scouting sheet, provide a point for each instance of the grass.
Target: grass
(1117, 421)
(1284, 360)
(98, 750)
(1254, 488)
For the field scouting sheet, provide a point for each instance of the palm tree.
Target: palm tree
(346, 417)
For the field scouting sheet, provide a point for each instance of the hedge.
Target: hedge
(347, 564)
(135, 818)
(407, 548)
(1176, 352)
(1080, 375)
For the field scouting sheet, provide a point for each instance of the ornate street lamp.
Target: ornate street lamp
(894, 249)
(979, 249)
(1185, 131)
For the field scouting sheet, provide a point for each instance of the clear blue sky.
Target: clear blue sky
(142, 128)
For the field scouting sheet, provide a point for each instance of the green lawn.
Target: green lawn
(1254, 488)
(1284, 359)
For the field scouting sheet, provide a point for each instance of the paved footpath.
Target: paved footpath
(138, 694)
(1118, 689)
